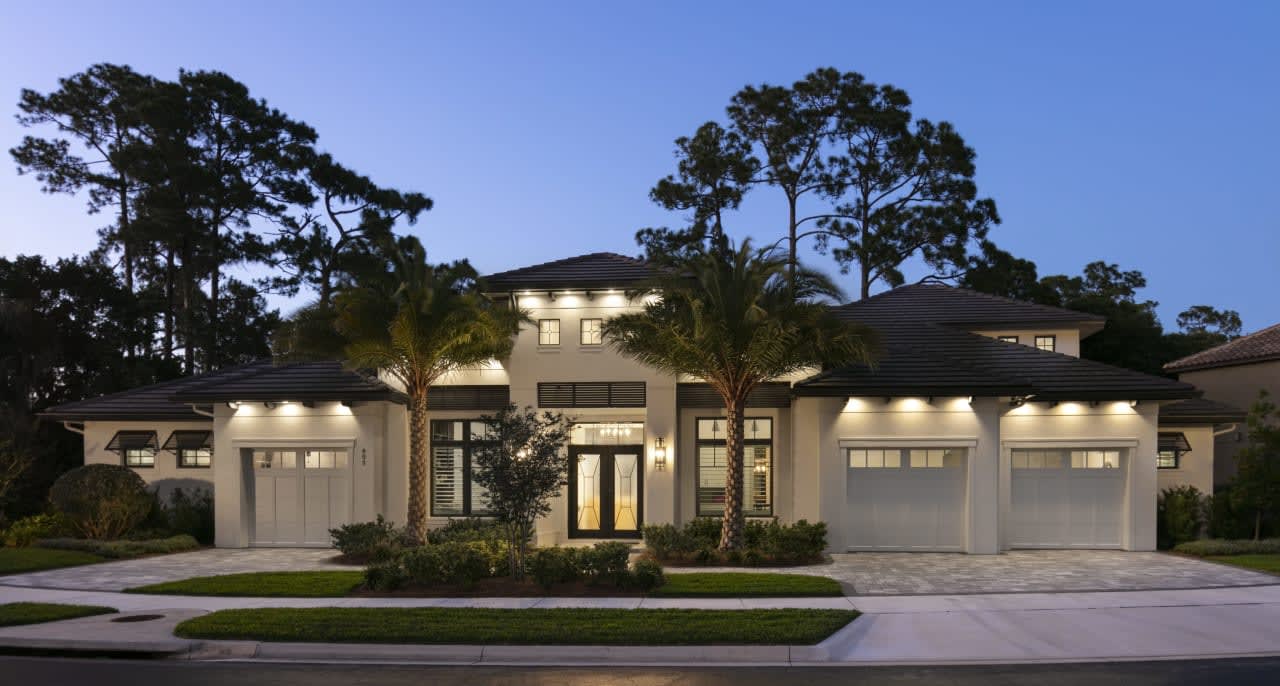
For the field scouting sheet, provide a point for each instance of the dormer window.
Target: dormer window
(1007, 339)
(591, 331)
(1047, 343)
(548, 332)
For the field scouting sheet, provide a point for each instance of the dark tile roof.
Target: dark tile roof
(296, 381)
(922, 357)
(596, 270)
(260, 380)
(938, 303)
(1259, 346)
(1199, 411)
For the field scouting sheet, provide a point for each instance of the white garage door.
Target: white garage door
(299, 494)
(906, 499)
(1067, 498)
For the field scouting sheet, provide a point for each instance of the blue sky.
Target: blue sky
(1140, 133)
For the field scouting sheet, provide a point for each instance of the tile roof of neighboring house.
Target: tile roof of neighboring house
(924, 353)
(596, 270)
(262, 380)
(1259, 346)
(1199, 411)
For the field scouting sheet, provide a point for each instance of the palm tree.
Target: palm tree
(729, 317)
(415, 324)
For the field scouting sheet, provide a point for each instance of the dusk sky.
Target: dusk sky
(1145, 134)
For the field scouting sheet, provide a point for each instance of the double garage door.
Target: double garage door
(916, 499)
(299, 494)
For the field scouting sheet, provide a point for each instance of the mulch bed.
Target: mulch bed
(504, 587)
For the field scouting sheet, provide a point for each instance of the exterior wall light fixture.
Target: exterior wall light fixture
(270, 405)
(1134, 403)
(659, 454)
(233, 405)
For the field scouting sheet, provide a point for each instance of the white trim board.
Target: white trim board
(1122, 442)
(909, 442)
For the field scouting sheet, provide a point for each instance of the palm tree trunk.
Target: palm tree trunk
(734, 522)
(417, 523)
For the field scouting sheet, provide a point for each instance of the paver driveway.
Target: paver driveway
(117, 576)
(1023, 571)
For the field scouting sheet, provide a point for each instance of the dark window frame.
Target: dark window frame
(699, 443)
(467, 444)
(582, 331)
(1008, 339)
(124, 457)
(1177, 459)
(181, 453)
(1053, 342)
(556, 332)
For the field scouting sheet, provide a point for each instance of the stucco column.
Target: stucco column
(1143, 490)
(231, 514)
(984, 480)
(661, 488)
(820, 479)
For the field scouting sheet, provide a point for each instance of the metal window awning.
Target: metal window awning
(1175, 441)
(188, 440)
(133, 440)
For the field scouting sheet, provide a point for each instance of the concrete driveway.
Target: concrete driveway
(1022, 571)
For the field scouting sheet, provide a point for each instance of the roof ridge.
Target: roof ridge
(566, 260)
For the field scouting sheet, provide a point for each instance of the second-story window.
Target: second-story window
(1007, 339)
(1049, 343)
(591, 331)
(548, 332)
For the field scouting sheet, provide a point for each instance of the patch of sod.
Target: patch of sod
(18, 560)
(519, 627)
(746, 585)
(262, 585)
(1261, 563)
(15, 614)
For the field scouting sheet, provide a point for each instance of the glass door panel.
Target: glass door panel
(588, 514)
(626, 492)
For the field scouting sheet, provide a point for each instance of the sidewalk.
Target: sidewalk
(1032, 627)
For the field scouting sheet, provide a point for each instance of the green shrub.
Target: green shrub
(447, 563)
(765, 542)
(388, 575)
(605, 562)
(664, 540)
(1180, 516)
(551, 566)
(28, 530)
(1229, 519)
(799, 542)
(1214, 546)
(646, 574)
(122, 549)
(468, 529)
(101, 501)
(375, 541)
(191, 513)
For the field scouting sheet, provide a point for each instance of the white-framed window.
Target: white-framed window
(1062, 458)
(1007, 339)
(195, 457)
(873, 458)
(548, 332)
(453, 492)
(140, 457)
(591, 331)
(897, 458)
(757, 466)
(325, 458)
(1047, 343)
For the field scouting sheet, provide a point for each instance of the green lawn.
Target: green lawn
(523, 627)
(746, 585)
(14, 614)
(1261, 562)
(263, 585)
(16, 560)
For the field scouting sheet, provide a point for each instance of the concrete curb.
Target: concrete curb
(173, 648)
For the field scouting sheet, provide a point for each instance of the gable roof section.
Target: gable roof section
(1199, 411)
(1259, 346)
(299, 381)
(146, 403)
(922, 358)
(942, 304)
(595, 270)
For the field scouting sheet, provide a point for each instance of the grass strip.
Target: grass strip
(16, 614)
(519, 627)
(262, 585)
(19, 560)
(746, 585)
(1269, 563)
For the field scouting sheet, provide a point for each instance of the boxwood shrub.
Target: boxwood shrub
(766, 543)
(1216, 546)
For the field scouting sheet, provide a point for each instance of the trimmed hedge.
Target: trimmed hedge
(765, 543)
(122, 549)
(1215, 546)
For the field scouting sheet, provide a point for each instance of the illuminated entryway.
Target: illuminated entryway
(606, 480)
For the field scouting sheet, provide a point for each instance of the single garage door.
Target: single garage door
(299, 494)
(1067, 498)
(906, 499)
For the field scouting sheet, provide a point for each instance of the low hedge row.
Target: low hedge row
(765, 543)
(122, 549)
(1216, 546)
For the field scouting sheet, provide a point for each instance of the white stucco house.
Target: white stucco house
(979, 430)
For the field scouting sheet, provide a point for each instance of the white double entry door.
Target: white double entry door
(299, 494)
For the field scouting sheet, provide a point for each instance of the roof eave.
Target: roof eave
(1175, 368)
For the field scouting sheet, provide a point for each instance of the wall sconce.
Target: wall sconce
(233, 406)
(659, 454)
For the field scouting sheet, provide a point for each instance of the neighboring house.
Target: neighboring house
(1234, 373)
(956, 439)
